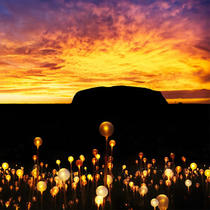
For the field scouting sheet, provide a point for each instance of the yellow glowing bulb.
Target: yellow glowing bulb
(8, 177)
(19, 173)
(58, 162)
(193, 166)
(41, 186)
(98, 156)
(124, 167)
(207, 173)
(70, 159)
(89, 176)
(82, 158)
(99, 200)
(5, 165)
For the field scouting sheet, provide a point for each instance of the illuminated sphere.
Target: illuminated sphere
(188, 182)
(5, 165)
(207, 173)
(98, 156)
(57, 180)
(109, 179)
(112, 143)
(38, 142)
(8, 177)
(63, 174)
(163, 202)
(82, 158)
(143, 190)
(41, 186)
(70, 159)
(154, 202)
(101, 191)
(76, 179)
(106, 129)
(79, 163)
(193, 166)
(131, 184)
(54, 191)
(169, 173)
(34, 172)
(34, 157)
(19, 173)
(58, 162)
(141, 155)
(99, 200)
(178, 169)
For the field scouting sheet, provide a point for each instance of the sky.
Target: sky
(50, 49)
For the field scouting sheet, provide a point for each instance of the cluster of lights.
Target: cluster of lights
(101, 181)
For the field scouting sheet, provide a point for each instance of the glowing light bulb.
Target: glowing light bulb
(106, 129)
(41, 186)
(70, 159)
(193, 166)
(99, 200)
(64, 174)
(38, 142)
(102, 191)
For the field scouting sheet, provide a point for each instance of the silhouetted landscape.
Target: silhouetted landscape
(143, 122)
(141, 117)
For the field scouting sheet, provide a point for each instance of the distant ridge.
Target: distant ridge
(117, 99)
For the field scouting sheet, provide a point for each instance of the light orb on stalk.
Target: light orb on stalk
(5, 166)
(178, 169)
(41, 186)
(112, 143)
(82, 158)
(54, 191)
(109, 180)
(154, 202)
(102, 191)
(64, 174)
(76, 179)
(188, 183)
(38, 142)
(58, 162)
(19, 173)
(79, 163)
(8, 177)
(99, 200)
(207, 173)
(143, 190)
(98, 156)
(163, 202)
(193, 166)
(106, 129)
(70, 159)
(168, 173)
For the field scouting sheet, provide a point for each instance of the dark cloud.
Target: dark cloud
(186, 94)
(49, 52)
(51, 66)
(34, 72)
(204, 44)
(203, 75)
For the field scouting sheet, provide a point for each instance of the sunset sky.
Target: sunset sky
(50, 49)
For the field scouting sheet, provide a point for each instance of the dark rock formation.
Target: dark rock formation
(118, 96)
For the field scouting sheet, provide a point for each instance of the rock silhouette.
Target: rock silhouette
(113, 99)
